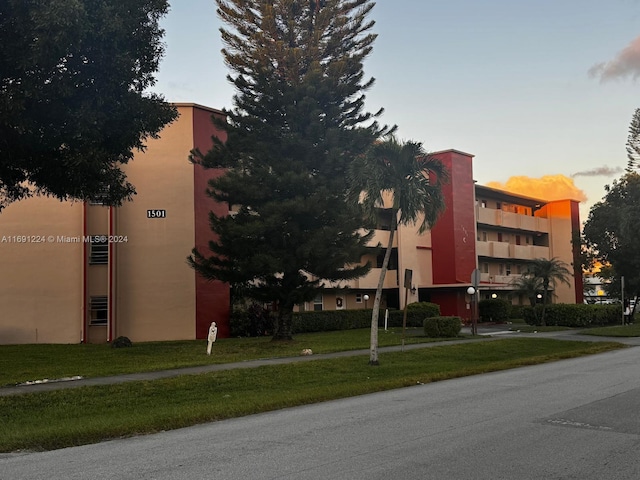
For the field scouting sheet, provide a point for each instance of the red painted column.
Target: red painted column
(212, 297)
(453, 237)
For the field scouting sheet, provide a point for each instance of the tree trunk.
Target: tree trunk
(545, 293)
(373, 350)
(282, 328)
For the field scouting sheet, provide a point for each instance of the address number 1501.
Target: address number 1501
(156, 213)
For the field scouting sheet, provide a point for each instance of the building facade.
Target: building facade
(496, 232)
(78, 272)
(83, 272)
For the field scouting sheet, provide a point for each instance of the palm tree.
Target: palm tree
(400, 177)
(549, 271)
(529, 286)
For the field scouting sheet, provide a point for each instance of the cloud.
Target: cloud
(625, 64)
(598, 172)
(547, 187)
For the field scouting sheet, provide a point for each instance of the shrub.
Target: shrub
(431, 309)
(574, 315)
(121, 342)
(494, 310)
(516, 311)
(442, 326)
(328, 320)
(254, 321)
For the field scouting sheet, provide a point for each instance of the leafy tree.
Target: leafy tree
(407, 181)
(73, 107)
(612, 231)
(549, 271)
(633, 142)
(297, 124)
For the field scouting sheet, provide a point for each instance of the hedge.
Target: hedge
(574, 315)
(442, 327)
(256, 321)
(494, 310)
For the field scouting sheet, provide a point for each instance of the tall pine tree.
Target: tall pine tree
(297, 123)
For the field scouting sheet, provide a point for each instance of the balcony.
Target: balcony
(380, 237)
(370, 280)
(511, 251)
(490, 279)
(500, 218)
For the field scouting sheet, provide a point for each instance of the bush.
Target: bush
(574, 315)
(494, 310)
(435, 327)
(254, 321)
(516, 311)
(121, 342)
(328, 320)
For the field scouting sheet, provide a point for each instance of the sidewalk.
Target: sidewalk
(488, 333)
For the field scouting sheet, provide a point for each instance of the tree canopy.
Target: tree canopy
(298, 122)
(402, 178)
(612, 231)
(73, 100)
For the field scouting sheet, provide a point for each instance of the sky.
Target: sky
(541, 92)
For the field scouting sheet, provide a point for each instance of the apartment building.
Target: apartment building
(494, 231)
(77, 272)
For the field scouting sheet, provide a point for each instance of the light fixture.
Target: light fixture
(494, 295)
(413, 290)
(471, 290)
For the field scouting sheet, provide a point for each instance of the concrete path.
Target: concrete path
(486, 333)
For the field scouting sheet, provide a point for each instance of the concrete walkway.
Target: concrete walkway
(489, 333)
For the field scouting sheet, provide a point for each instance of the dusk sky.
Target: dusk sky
(539, 89)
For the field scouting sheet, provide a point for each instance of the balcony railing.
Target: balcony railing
(511, 251)
(500, 218)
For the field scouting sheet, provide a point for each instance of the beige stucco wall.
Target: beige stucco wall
(419, 260)
(154, 285)
(41, 279)
(558, 214)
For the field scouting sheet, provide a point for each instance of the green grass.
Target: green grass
(617, 331)
(20, 363)
(38, 421)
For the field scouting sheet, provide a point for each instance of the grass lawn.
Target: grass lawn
(20, 363)
(616, 331)
(50, 420)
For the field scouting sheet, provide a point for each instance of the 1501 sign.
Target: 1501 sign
(156, 213)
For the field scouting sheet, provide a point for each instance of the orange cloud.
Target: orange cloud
(547, 187)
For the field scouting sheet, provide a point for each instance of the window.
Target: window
(517, 239)
(484, 236)
(508, 269)
(501, 269)
(499, 236)
(317, 302)
(498, 206)
(99, 254)
(358, 298)
(99, 310)
(483, 204)
(484, 267)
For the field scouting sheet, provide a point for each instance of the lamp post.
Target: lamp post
(366, 298)
(474, 308)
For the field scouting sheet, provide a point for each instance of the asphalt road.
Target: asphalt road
(573, 419)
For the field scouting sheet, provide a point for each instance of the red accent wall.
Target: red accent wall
(577, 267)
(453, 237)
(212, 297)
